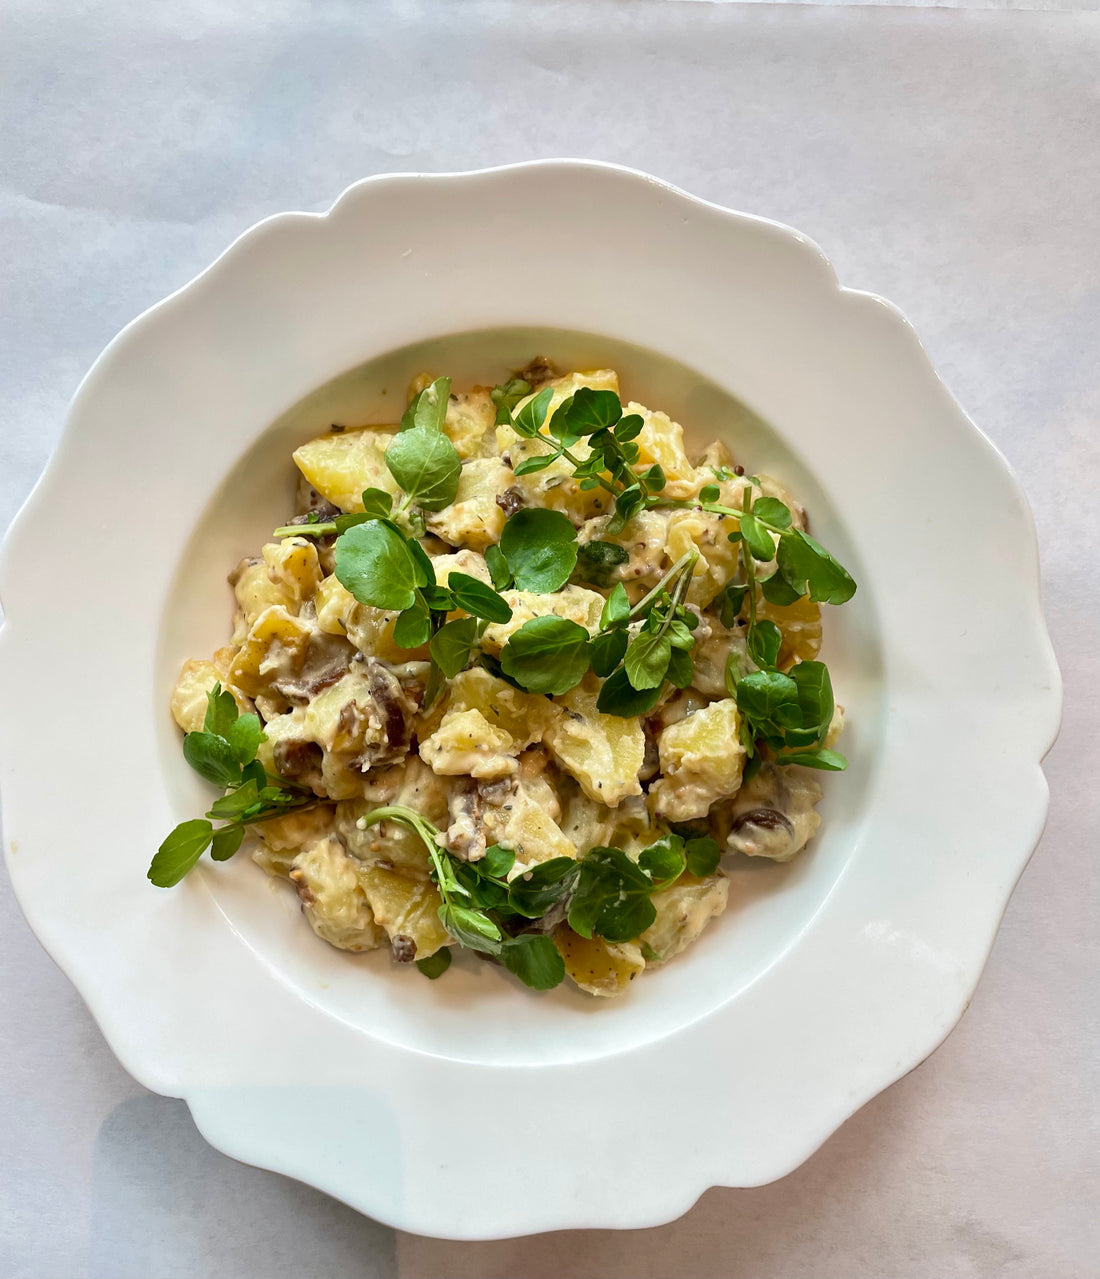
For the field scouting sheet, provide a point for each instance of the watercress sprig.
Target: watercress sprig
(603, 894)
(464, 911)
(789, 712)
(224, 752)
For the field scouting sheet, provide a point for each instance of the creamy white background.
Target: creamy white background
(944, 158)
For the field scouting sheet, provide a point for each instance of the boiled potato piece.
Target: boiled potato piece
(574, 603)
(333, 900)
(701, 762)
(800, 625)
(599, 967)
(189, 701)
(485, 724)
(466, 743)
(370, 629)
(275, 645)
(294, 830)
(683, 911)
(717, 562)
(405, 907)
(341, 466)
(474, 519)
(470, 423)
(526, 823)
(662, 442)
(468, 562)
(603, 752)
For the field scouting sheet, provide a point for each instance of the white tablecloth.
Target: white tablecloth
(946, 158)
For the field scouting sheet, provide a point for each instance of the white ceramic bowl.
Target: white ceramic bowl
(824, 982)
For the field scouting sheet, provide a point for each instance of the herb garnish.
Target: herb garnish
(224, 752)
(606, 894)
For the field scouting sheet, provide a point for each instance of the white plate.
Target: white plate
(469, 1107)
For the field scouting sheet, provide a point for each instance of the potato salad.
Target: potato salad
(516, 679)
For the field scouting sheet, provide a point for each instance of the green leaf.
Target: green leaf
(538, 462)
(534, 959)
(374, 563)
(619, 697)
(235, 804)
(426, 465)
(547, 655)
(221, 712)
(377, 504)
(435, 965)
(597, 560)
(542, 887)
(777, 590)
(540, 547)
(596, 889)
(815, 698)
(762, 693)
(625, 919)
(253, 771)
(212, 757)
(647, 659)
(679, 633)
(244, 736)
(664, 859)
(226, 842)
(450, 646)
(629, 427)
(806, 564)
(764, 640)
(180, 851)
(341, 523)
(422, 563)
(654, 478)
(506, 398)
(703, 855)
(529, 420)
(497, 862)
(831, 761)
(710, 493)
(428, 409)
(414, 626)
(617, 608)
(439, 599)
(499, 571)
(772, 511)
(607, 651)
(681, 671)
(585, 412)
(728, 604)
(627, 504)
(757, 538)
(477, 598)
(471, 928)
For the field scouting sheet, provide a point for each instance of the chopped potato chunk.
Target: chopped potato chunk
(341, 466)
(597, 966)
(683, 911)
(603, 752)
(474, 518)
(701, 762)
(574, 603)
(333, 899)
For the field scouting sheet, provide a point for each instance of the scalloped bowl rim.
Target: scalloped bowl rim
(931, 968)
